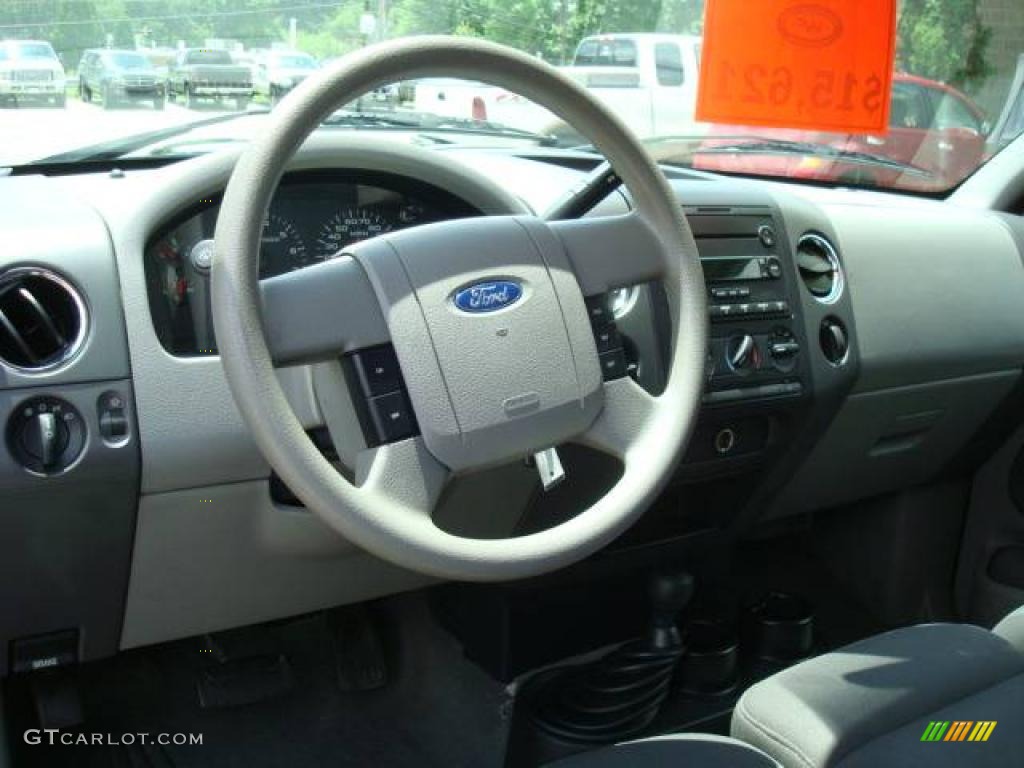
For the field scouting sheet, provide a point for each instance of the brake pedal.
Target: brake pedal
(244, 681)
(358, 650)
(244, 666)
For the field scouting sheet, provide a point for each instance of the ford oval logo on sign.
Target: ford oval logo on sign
(488, 297)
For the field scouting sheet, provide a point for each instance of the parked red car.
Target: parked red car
(936, 138)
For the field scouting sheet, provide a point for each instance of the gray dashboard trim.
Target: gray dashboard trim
(998, 184)
(191, 432)
(937, 293)
(210, 558)
(78, 250)
(888, 439)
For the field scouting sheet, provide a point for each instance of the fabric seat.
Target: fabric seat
(870, 703)
(685, 749)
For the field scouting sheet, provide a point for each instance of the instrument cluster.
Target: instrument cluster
(312, 218)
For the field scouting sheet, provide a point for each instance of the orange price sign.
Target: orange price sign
(814, 64)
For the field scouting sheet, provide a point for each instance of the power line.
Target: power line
(180, 16)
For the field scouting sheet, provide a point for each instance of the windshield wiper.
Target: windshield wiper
(118, 148)
(430, 123)
(781, 146)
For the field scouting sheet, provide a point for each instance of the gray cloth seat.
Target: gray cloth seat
(684, 749)
(868, 704)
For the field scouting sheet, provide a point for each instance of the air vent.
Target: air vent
(42, 319)
(819, 268)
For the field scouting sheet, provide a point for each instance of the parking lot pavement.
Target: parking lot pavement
(33, 132)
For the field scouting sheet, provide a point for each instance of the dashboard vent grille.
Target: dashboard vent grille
(819, 268)
(42, 319)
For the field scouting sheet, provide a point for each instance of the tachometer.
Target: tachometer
(282, 248)
(348, 226)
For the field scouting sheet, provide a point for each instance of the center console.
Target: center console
(757, 336)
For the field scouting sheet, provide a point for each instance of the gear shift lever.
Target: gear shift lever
(618, 695)
(670, 593)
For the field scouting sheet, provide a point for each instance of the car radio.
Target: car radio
(755, 347)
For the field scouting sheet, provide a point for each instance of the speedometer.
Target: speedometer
(347, 226)
(282, 248)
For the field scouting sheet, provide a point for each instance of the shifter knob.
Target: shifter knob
(670, 593)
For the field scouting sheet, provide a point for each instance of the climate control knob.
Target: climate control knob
(742, 354)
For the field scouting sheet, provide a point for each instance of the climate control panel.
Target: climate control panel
(756, 349)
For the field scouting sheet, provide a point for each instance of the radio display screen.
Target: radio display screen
(731, 269)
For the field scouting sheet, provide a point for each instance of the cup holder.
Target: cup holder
(710, 661)
(781, 627)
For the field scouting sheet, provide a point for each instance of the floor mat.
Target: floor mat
(436, 710)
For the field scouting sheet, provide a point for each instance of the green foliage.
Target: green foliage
(944, 40)
(549, 28)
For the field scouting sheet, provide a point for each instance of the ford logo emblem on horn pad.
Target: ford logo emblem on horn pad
(488, 296)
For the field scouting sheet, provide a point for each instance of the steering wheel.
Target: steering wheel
(486, 387)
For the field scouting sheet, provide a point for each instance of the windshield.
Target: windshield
(129, 61)
(294, 62)
(208, 57)
(916, 100)
(27, 51)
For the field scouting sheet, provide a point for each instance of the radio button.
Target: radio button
(719, 311)
(607, 338)
(613, 364)
(599, 310)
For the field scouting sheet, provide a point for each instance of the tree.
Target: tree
(944, 40)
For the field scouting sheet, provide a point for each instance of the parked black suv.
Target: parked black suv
(119, 77)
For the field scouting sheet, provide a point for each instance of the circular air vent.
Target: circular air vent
(819, 268)
(42, 319)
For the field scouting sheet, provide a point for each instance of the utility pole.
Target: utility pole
(563, 30)
(293, 24)
(382, 20)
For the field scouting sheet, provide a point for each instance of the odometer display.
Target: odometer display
(347, 226)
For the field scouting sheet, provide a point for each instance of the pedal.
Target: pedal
(249, 680)
(358, 650)
(56, 699)
(243, 666)
(236, 644)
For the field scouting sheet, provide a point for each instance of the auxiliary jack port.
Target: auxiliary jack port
(725, 441)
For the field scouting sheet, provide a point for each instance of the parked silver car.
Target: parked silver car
(30, 71)
(277, 72)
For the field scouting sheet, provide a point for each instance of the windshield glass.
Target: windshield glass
(208, 57)
(294, 62)
(17, 50)
(923, 97)
(129, 61)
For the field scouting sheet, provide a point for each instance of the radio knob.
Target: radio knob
(741, 353)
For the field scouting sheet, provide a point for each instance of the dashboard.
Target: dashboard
(313, 217)
(165, 518)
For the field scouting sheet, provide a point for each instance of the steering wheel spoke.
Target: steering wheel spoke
(320, 312)
(404, 473)
(628, 412)
(612, 251)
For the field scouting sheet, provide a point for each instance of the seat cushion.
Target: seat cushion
(1011, 629)
(692, 750)
(823, 710)
(1002, 704)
